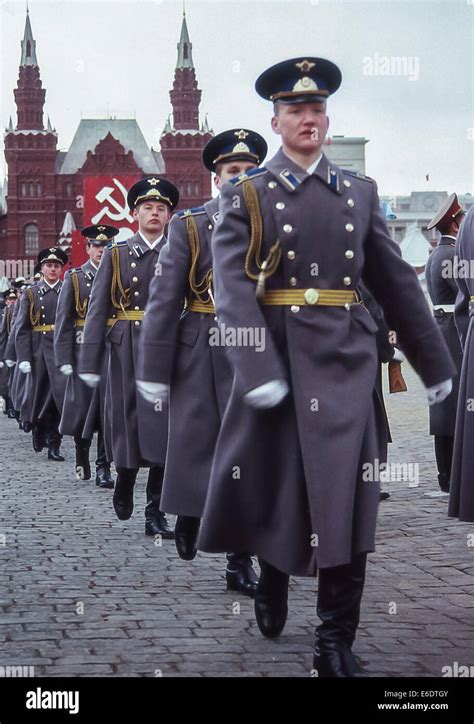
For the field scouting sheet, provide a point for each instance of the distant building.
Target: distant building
(43, 199)
(346, 152)
(419, 208)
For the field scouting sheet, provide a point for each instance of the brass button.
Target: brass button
(288, 228)
(349, 227)
(349, 254)
(294, 308)
(137, 324)
(42, 307)
(347, 183)
(88, 284)
(44, 332)
(280, 205)
(350, 202)
(137, 308)
(209, 227)
(272, 184)
(130, 253)
(293, 281)
(136, 294)
(291, 254)
(133, 264)
(135, 279)
(347, 281)
(311, 296)
(347, 306)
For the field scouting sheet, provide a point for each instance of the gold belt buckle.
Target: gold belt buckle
(311, 296)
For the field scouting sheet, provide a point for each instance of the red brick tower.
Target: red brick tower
(184, 138)
(30, 152)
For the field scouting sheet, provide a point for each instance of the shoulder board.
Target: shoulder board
(191, 212)
(355, 174)
(251, 173)
(116, 243)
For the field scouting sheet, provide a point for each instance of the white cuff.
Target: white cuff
(267, 395)
(90, 379)
(66, 370)
(10, 362)
(153, 391)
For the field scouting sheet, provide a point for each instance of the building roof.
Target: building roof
(28, 45)
(185, 56)
(415, 247)
(126, 131)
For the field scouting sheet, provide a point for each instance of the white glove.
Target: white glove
(90, 379)
(66, 370)
(2, 364)
(267, 395)
(24, 367)
(438, 393)
(398, 355)
(153, 391)
(10, 363)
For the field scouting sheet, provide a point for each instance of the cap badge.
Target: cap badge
(241, 135)
(241, 148)
(304, 84)
(305, 66)
(153, 181)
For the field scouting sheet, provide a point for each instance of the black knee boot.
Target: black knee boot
(83, 467)
(103, 478)
(339, 597)
(240, 574)
(123, 493)
(271, 600)
(54, 446)
(185, 536)
(155, 519)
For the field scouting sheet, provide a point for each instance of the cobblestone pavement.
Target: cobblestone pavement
(84, 594)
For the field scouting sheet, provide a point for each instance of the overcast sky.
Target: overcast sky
(118, 58)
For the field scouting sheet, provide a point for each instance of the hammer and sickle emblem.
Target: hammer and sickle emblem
(106, 195)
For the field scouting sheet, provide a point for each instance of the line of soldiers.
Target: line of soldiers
(257, 448)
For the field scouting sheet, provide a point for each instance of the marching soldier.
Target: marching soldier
(136, 431)
(461, 498)
(34, 329)
(17, 378)
(292, 242)
(10, 297)
(176, 350)
(81, 410)
(443, 289)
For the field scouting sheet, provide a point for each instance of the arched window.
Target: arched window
(24, 189)
(68, 189)
(32, 189)
(39, 190)
(196, 188)
(31, 240)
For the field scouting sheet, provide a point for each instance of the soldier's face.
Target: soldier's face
(152, 217)
(95, 253)
(302, 126)
(230, 170)
(51, 271)
(9, 301)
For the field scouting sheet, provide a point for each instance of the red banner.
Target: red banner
(105, 202)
